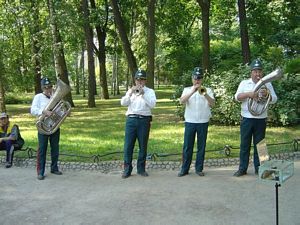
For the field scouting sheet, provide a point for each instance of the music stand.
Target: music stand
(277, 171)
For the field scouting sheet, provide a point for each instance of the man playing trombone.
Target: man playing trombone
(198, 101)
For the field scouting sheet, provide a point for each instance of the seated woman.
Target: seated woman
(8, 138)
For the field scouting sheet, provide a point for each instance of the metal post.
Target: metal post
(277, 214)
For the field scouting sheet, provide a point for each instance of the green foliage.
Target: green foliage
(286, 111)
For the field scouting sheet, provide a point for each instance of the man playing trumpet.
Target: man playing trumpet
(140, 100)
(198, 102)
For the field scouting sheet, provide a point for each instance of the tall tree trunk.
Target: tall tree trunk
(82, 72)
(91, 63)
(205, 6)
(124, 38)
(151, 43)
(58, 49)
(244, 32)
(35, 37)
(2, 92)
(101, 52)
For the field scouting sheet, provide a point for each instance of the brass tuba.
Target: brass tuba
(257, 107)
(59, 110)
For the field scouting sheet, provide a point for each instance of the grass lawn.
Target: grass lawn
(100, 130)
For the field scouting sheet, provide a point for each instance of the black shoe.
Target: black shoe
(181, 174)
(8, 165)
(57, 172)
(239, 173)
(40, 177)
(125, 175)
(143, 174)
(201, 174)
(256, 171)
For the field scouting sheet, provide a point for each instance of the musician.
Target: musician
(252, 127)
(40, 101)
(198, 102)
(8, 137)
(140, 100)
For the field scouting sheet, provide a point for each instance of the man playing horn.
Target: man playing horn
(140, 100)
(39, 103)
(198, 102)
(252, 127)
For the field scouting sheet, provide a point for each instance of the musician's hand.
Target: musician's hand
(195, 88)
(47, 112)
(253, 95)
(1, 140)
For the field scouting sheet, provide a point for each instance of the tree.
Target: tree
(89, 46)
(244, 32)
(151, 43)
(58, 50)
(205, 5)
(101, 52)
(123, 36)
(35, 39)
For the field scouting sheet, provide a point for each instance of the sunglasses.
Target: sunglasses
(47, 87)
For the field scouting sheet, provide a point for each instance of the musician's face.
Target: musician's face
(197, 81)
(256, 75)
(140, 82)
(47, 90)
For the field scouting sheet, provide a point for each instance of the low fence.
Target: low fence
(286, 151)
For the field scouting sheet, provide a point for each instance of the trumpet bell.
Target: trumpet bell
(202, 90)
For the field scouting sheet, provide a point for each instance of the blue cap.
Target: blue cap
(46, 82)
(140, 75)
(256, 65)
(197, 73)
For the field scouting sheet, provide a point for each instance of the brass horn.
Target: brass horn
(202, 90)
(59, 110)
(138, 90)
(257, 107)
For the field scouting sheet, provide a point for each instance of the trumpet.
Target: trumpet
(202, 90)
(138, 90)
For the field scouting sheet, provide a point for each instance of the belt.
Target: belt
(138, 116)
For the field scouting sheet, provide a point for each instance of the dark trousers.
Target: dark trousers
(136, 128)
(191, 129)
(42, 151)
(8, 146)
(250, 129)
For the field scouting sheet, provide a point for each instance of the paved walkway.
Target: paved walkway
(160, 199)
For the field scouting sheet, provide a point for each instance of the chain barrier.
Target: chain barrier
(226, 150)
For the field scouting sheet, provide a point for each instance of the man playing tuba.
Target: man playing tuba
(252, 126)
(39, 103)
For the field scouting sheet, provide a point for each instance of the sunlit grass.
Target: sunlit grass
(100, 130)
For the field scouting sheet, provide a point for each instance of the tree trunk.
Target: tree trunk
(58, 50)
(244, 32)
(35, 37)
(151, 43)
(2, 92)
(205, 6)
(101, 52)
(123, 36)
(91, 63)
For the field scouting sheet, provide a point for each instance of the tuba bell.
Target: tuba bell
(59, 108)
(257, 107)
